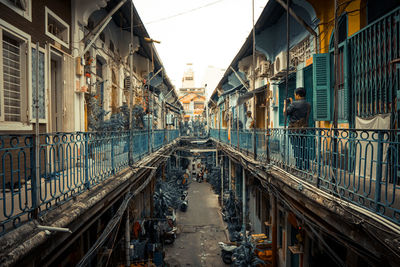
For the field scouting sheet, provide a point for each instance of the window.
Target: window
(56, 28)
(22, 7)
(13, 72)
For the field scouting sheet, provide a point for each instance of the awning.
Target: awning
(246, 96)
(232, 90)
(172, 108)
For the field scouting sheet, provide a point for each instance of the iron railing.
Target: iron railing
(358, 166)
(375, 80)
(70, 163)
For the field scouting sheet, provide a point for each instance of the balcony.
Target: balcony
(357, 166)
(69, 164)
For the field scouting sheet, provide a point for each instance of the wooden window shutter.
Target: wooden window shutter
(321, 85)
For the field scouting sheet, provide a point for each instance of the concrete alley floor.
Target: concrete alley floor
(200, 229)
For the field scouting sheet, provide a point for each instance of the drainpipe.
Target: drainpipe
(336, 68)
(254, 87)
(36, 180)
(127, 239)
(130, 157)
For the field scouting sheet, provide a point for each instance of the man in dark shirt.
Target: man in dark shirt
(298, 113)
(299, 110)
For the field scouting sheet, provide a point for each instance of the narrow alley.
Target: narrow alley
(171, 133)
(200, 229)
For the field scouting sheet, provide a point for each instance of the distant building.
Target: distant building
(191, 97)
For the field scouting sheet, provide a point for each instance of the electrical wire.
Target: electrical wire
(107, 231)
(275, 192)
(177, 14)
(113, 222)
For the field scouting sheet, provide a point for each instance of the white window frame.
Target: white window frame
(14, 125)
(60, 20)
(26, 14)
(31, 109)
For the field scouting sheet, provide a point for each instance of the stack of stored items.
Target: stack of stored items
(171, 193)
(245, 255)
(232, 215)
(214, 178)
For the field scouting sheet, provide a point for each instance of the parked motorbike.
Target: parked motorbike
(227, 250)
(171, 216)
(169, 236)
(184, 204)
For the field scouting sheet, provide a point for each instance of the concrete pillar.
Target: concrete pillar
(273, 231)
(230, 174)
(244, 202)
(222, 180)
(127, 239)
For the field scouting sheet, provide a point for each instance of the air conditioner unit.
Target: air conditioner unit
(280, 62)
(265, 68)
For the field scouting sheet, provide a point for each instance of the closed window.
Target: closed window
(13, 89)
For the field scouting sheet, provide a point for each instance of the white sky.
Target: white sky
(209, 32)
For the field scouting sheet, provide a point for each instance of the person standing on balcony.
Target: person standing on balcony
(249, 121)
(298, 113)
(249, 125)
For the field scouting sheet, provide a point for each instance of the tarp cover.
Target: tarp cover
(243, 98)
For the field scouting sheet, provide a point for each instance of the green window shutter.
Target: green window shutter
(345, 99)
(321, 85)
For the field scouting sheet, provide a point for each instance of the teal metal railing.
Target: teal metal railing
(70, 163)
(374, 77)
(359, 166)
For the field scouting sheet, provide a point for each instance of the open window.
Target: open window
(22, 7)
(56, 28)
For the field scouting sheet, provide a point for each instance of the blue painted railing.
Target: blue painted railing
(359, 166)
(70, 163)
(374, 76)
